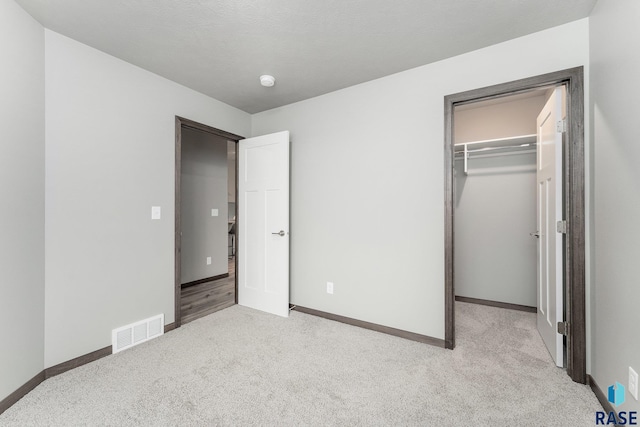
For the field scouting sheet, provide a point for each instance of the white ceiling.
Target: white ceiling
(221, 47)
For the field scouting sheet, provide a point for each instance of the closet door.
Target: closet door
(549, 197)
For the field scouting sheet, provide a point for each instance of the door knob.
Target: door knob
(281, 233)
(535, 234)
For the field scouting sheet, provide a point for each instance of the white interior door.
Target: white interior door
(263, 223)
(549, 194)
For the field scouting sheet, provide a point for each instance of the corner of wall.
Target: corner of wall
(21, 188)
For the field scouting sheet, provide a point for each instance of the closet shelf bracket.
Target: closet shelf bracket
(466, 160)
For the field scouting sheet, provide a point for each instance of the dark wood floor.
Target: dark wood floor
(209, 297)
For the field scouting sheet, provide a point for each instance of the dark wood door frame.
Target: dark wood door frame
(574, 205)
(180, 124)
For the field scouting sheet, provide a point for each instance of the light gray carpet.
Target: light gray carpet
(243, 367)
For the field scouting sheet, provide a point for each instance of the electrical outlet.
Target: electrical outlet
(208, 260)
(633, 383)
(155, 212)
(330, 287)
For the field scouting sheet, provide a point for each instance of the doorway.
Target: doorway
(495, 205)
(573, 201)
(505, 222)
(204, 218)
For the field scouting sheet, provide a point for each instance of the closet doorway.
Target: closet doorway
(508, 176)
(505, 208)
(495, 205)
(205, 214)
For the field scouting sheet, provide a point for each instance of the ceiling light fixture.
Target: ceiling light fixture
(267, 80)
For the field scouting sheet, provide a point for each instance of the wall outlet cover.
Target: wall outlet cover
(633, 383)
(208, 260)
(214, 212)
(155, 212)
(330, 287)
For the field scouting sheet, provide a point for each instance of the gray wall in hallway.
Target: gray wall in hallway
(204, 187)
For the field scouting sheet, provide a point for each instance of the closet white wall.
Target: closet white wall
(495, 257)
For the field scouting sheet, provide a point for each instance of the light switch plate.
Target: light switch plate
(214, 212)
(155, 212)
(208, 260)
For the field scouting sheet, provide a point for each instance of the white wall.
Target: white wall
(110, 157)
(22, 195)
(495, 257)
(495, 205)
(367, 180)
(615, 65)
(204, 187)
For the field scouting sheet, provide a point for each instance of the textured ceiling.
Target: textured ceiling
(221, 47)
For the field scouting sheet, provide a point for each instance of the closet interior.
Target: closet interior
(495, 258)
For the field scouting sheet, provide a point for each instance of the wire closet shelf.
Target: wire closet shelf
(494, 147)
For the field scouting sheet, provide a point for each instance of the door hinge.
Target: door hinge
(563, 328)
(562, 126)
(561, 226)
